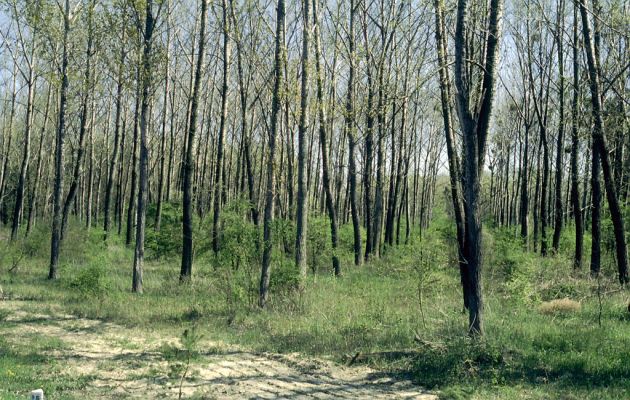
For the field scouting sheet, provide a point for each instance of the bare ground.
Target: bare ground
(131, 363)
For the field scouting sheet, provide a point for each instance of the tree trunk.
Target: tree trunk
(114, 157)
(599, 142)
(146, 77)
(76, 174)
(55, 241)
(453, 160)
(560, 143)
(575, 188)
(38, 169)
(189, 168)
(323, 137)
(273, 133)
(302, 194)
(26, 154)
(219, 170)
(475, 130)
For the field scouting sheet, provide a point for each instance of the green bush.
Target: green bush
(284, 274)
(167, 242)
(91, 280)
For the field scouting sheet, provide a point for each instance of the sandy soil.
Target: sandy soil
(131, 363)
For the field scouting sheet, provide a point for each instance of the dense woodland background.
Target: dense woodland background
(267, 143)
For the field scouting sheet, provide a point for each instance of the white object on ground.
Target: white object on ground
(37, 394)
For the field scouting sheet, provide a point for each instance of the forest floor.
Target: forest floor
(551, 332)
(121, 362)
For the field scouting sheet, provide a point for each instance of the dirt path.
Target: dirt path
(130, 363)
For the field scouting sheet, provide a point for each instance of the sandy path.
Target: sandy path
(130, 363)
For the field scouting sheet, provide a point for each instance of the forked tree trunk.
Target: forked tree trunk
(475, 130)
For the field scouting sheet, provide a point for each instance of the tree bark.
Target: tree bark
(219, 168)
(323, 137)
(599, 142)
(302, 194)
(114, 157)
(475, 130)
(146, 77)
(575, 188)
(76, 174)
(273, 133)
(55, 241)
(189, 167)
(560, 143)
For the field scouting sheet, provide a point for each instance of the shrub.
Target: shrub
(167, 242)
(91, 280)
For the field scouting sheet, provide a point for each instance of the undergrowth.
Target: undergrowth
(406, 304)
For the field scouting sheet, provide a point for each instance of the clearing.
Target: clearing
(120, 362)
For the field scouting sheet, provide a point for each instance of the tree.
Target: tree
(575, 189)
(474, 118)
(30, 77)
(453, 159)
(145, 81)
(273, 133)
(600, 146)
(350, 131)
(187, 223)
(302, 195)
(114, 155)
(219, 180)
(55, 241)
(330, 203)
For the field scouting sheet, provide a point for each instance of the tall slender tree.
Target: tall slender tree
(273, 133)
(187, 223)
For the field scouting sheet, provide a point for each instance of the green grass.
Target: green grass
(377, 309)
(24, 367)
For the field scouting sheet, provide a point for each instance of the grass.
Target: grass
(408, 303)
(24, 367)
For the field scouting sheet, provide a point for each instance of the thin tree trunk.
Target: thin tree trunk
(38, 169)
(350, 131)
(453, 160)
(55, 241)
(146, 77)
(575, 188)
(330, 202)
(26, 155)
(76, 174)
(114, 157)
(273, 133)
(560, 143)
(302, 194)
(189, 167)
(219, 168)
